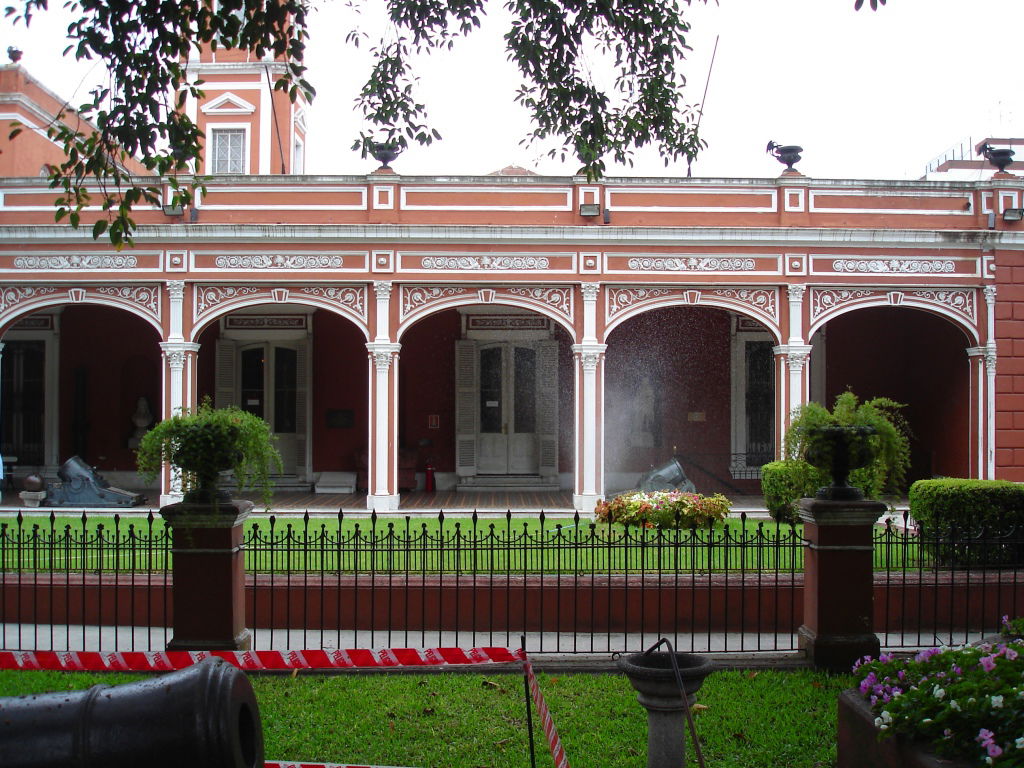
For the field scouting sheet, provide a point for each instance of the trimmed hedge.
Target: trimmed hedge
(997, 506)
(784, 483)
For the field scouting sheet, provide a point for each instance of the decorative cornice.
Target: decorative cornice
(816, 237)
(277, 261)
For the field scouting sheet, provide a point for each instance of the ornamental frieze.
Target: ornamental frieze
(825, 300)
(486, 262)
(763, 300)
(414, 297)
(620, 299)
(278, 261)
(691, 264)
(75, 261)
(350, 298)
(146, 296)
(895, 266)
(560, 299)
(959, 301)
(209, 296)
(11, 296)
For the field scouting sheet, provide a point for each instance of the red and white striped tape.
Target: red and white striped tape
(554, 743)
(352, 658)
(251, 661)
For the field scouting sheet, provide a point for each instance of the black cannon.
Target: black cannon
(204, 716)
(83, 486)
(670, 476)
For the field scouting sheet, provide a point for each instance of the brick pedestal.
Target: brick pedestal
(838, 609)
(209, 576)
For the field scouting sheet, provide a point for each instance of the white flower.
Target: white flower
(938, 693)
(997, 702)
(953, 704)
(1020, 743)
(926, 720)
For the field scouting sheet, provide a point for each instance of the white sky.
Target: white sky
(867, 94)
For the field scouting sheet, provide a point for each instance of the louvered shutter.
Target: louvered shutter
(466, 410)
(227, 364)
(547, 408)
(301, 401)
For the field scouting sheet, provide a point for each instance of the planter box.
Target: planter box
(858, 744)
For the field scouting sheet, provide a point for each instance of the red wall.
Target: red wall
(912, 357)
(1010, 365)
(340, 380)
(119, 358)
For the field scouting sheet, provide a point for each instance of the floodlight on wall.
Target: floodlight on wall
(172, 210)
(590, 209)
(1013, 214)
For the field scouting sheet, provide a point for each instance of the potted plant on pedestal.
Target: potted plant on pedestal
(208, 548)
(206, 442)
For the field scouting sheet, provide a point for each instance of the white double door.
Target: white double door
(507, 407)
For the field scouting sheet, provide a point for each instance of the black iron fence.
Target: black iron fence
(572, 585)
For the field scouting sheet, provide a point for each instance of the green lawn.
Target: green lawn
(427, 546)
(753, 719)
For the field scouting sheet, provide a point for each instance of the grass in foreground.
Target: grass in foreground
(747, 719)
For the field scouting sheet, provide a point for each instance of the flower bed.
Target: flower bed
(663, 509)
(965, 703)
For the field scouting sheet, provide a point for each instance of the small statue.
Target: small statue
(142, 418)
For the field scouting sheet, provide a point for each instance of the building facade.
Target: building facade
(507, 331)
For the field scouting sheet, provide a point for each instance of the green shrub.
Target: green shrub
(997, 506)
(784, 482)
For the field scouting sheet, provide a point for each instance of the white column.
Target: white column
(382, 469)
(590, 441)
(990, 389)
(179, 383)
(176, 313)
(382, 474)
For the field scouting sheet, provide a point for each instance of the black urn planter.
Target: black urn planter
(840, 449)
(657, 690)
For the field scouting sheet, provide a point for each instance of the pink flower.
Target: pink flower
(994, 750)
(1010, 653)
(984, 737)
(988, 663)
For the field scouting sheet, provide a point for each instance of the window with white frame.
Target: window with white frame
(227, 150)
(298, 156)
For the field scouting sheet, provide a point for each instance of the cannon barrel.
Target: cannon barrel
(76, 469)
(204, 716)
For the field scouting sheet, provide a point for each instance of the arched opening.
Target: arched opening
(486, 397)
(695, 384)
(911, 356)
(80, 380)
